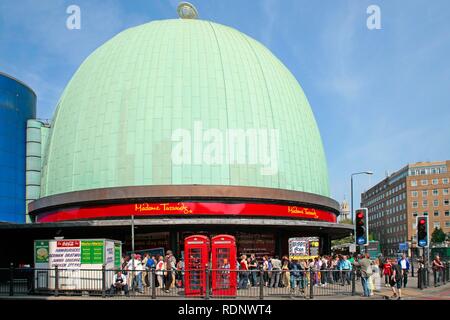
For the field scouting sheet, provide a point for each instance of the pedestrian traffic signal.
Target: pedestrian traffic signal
(361, 227)
(422, 231)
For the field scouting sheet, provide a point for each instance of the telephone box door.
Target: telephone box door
(196, 253)
(223, 262)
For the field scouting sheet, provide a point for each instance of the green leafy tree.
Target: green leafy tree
(438, 236)
(345, 240)
(346, 221)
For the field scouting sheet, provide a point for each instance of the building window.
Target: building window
(435, 181)
(425, 193)
(436, 203)
(445, 192)
(436, 213)
(447, 224)
(413, 183)
(425, 203)
(445, 181)
(435, 192)
(424, 182)
(446, 202)
(447, 213)
(425, 213)
(437, 225)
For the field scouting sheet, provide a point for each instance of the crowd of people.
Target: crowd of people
(293, 273)
(274, 272)
(135, 273)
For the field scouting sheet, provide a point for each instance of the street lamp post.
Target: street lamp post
(132, 250)
(351, 192)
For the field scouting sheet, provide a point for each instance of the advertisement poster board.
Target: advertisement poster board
(303, 248)
(117, 255)
(76, 259)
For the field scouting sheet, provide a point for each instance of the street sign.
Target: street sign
(403, 246)
(352, 248)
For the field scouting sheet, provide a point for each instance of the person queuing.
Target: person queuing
(253, 268)
(346, 270)
(265, 268)
(276, 270)
(243, 274)
(159, 270)
(297, 275)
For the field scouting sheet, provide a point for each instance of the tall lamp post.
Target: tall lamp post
(132, 251)
(351, 192)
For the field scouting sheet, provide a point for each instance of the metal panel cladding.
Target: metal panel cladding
(117, 118)
(17, 105)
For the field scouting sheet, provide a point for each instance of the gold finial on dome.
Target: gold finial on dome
(187, 10)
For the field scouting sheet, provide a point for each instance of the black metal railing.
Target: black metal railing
(154, 284)
(440, 276)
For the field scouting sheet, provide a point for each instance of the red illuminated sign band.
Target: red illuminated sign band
(185, 209)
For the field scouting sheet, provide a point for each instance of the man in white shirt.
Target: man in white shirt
(276, 269)
(136, 272)
(119, 283)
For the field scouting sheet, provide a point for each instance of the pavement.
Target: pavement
(411, 292)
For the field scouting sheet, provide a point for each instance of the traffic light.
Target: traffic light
(422, 231)
(361, 227)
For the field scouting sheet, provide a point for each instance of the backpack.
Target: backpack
(398, 273)
(150, 263)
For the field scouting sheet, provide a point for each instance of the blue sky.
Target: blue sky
(381, 97)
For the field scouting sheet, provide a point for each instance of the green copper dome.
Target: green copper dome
(115, 122)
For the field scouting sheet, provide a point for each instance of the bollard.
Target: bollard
(56, 281)
(353, 283)
(11, 279)
(103, 281)
(434, 277)
(207, 284)
(311, 284)
(153, 283)
(447, 272)
(419, 279)
(261, 284)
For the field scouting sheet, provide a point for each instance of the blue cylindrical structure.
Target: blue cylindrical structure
(17, 105)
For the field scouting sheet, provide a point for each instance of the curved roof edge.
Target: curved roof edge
(18, 81)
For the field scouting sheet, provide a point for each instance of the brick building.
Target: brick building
(394, 203)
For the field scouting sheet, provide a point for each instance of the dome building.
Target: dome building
(186, 126)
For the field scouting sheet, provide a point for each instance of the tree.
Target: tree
(346, 221)
(438, 236)
(345, 240)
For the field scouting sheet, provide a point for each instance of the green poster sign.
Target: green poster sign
(41, 250)
(92, 252)
(117, 256)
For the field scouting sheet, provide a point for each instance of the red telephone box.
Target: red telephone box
(223, 262)
(196, 254)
